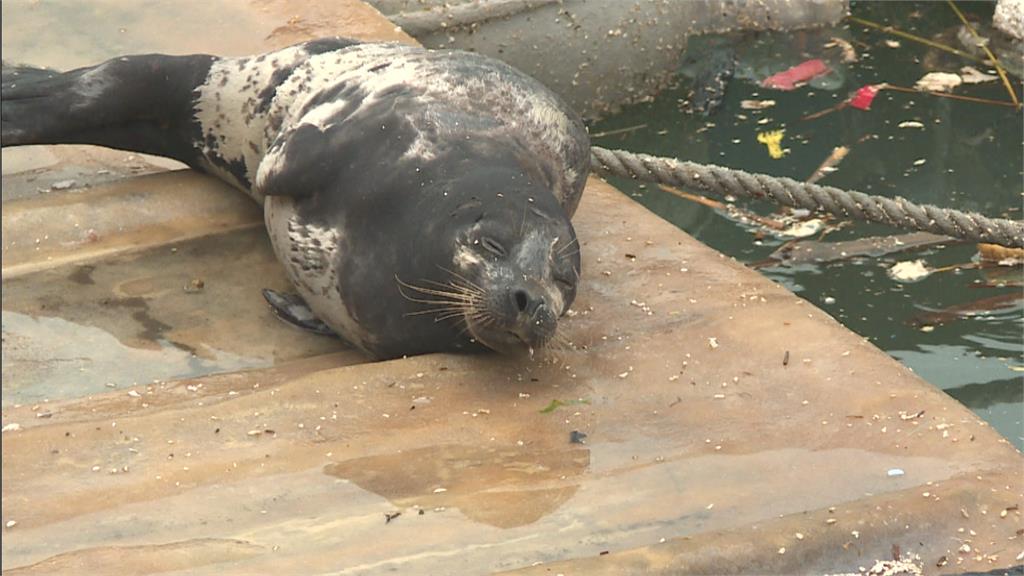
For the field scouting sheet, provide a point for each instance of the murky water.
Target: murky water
(960, 329)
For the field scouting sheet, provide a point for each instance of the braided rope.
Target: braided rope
(850, 205)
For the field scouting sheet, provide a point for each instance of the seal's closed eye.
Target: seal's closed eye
(492, 246)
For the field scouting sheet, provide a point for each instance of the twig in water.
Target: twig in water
(837, 155)
(715, 204)
(909, 36)
(984, 46)
(625, 130)
(953, 96)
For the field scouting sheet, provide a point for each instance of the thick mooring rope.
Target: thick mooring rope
(850, 205)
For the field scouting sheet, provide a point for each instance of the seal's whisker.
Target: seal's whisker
(567, 245)
(469, 283)
(445, 310)
(456, 296)
(569, 254)
(432, 292)
(465, 329)
(479, 315)
(457, 287)
(459, 302)
(448, 315)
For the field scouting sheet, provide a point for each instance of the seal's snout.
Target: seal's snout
(532, 321)
(528, 302)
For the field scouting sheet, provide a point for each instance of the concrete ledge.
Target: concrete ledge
(120, 217)
(696, 432)
(690, 425)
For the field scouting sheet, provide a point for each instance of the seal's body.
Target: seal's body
(419, 200)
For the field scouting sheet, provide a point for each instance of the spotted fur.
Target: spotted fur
(249, 107)
(378, 166)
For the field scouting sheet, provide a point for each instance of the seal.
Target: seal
(419, 200)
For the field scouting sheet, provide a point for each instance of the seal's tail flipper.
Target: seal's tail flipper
(20, 85)
(136, 103)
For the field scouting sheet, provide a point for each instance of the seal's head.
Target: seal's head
(514, 262)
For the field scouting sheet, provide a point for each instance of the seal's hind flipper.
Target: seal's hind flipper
(293, 309)
(138, 103)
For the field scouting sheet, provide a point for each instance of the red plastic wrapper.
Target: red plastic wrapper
(800, 73)
(864, 96)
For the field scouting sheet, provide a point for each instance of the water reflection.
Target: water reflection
(52, 358)
(963, 155)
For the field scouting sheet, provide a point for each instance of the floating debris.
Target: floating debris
(801, 73)
(968, 309)
(1000, 255)
(971, 75)
(865, 95)
(938, 82)
(773, 140)
(893, 472)
(909, 271)
(756, 104)
(811, 251)
(830, 164)
(849, 54)
(804, 229)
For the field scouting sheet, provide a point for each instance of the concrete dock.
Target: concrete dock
(159, 419)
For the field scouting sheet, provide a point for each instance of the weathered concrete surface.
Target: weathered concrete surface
(70, 33)
(697, 430)
(177, 310)
(714, 445)
(122, 216)
(610, 52)
(1009, 18)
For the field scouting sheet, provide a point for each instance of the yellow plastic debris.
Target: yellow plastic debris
(773, 140)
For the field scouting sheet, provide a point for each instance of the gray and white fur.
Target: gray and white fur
(419, 200)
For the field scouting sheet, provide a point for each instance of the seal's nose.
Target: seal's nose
(526, 301)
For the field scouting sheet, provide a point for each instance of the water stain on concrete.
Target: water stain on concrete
(486, 484)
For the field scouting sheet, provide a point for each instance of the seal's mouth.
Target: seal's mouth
(513, 334)
(513, 342)
(513, 325)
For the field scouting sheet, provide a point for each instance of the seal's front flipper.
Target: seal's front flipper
(293, 309)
